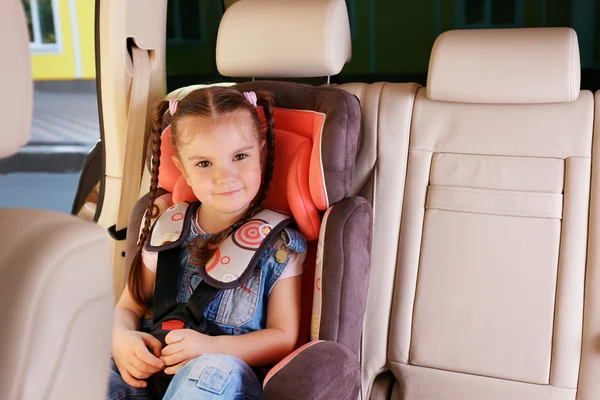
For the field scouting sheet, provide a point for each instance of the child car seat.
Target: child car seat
(302, 137)
(306, 185)
(314, 169)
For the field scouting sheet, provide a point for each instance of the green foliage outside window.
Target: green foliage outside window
(45, 21)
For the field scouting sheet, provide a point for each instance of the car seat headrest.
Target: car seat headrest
(316, 136)
(505, 66)
(16, 106)
(284, 39)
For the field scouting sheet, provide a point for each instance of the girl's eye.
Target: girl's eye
(203, 164)
(240, 157)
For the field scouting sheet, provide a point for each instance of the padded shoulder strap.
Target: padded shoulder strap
(236, 257)
(172, 227)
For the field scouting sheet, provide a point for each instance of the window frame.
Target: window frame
(36, 45)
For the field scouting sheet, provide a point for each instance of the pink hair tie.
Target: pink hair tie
(173, 106)
(251, 97)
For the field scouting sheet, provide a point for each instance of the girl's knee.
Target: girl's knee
(221, 362)
(216, 376)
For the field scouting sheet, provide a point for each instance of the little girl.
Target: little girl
(223, 156)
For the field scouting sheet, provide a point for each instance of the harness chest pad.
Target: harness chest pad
(172, 227)
(235, 259)
(237, 256)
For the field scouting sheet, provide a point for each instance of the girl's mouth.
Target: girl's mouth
(229, 193)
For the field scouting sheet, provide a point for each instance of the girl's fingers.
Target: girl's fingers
(131, 381)
(139, 369)
(174, 359)
(175, 336)
(172, 349)
(153, 343)
(173, 370)
(136, 372)
(154, 364)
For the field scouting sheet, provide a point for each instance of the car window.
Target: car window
(391, 41)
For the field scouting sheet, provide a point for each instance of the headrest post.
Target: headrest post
(328, 79)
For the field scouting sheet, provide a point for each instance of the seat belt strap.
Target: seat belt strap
(131, 175)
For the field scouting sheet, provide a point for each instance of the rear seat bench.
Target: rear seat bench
(481, 224)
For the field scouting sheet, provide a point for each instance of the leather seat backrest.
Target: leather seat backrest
(490, 258)
(379, 176)
(55, 277)
(491, 268)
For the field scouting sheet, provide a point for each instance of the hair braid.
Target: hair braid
(134, 279)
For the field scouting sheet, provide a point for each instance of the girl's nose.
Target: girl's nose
(224, 174)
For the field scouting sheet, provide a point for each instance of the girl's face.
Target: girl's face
(221, 160)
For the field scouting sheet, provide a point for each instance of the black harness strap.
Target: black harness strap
(165, 306)
(199, 301)
(165, 292)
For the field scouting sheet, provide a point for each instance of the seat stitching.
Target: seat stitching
(328, 37)
(364, 330)
(411, 366)
(435, 205)
(430, 68)
(489, 192)
(571, 94)
(405, 172)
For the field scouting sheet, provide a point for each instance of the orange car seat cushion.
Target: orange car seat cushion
(333, 157)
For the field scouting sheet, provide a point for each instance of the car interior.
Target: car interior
(453, 227)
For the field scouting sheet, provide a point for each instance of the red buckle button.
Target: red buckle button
(172, 324)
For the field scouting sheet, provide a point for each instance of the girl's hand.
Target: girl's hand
(184, 345)
(132, 356)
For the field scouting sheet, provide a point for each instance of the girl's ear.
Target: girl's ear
(181, 169)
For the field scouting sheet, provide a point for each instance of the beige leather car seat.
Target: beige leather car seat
(55, 275)
(481, 257)
(379, 177)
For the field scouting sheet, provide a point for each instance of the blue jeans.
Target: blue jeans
(210, 376)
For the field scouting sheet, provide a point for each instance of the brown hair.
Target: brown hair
(213, 102)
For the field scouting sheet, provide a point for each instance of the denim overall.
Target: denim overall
(236, 311)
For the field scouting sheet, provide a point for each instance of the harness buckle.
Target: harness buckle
(171, 325)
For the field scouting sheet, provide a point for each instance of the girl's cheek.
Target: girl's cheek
(257, 176)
